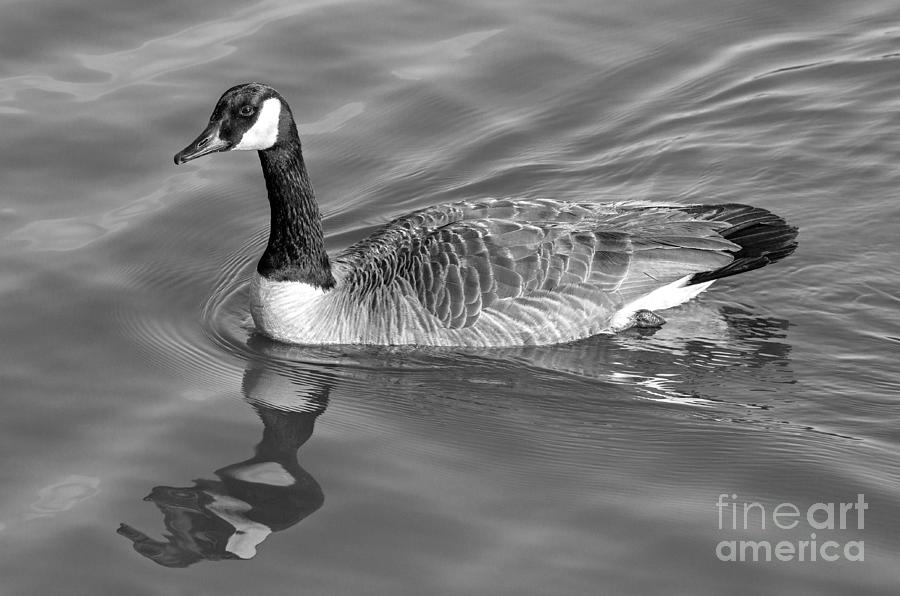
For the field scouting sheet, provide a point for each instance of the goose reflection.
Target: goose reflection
(707, 356)
(229, 517)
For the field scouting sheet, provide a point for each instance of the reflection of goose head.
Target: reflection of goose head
(194, 533)
(229, 517)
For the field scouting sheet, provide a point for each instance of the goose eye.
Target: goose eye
(246, 110)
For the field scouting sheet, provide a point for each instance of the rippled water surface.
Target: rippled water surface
(153, 445)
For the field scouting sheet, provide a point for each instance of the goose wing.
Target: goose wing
(462, 259)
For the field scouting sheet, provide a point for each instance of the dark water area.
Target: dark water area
(153, 444)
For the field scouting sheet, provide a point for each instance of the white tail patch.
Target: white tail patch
(668, 296)
(264, 131)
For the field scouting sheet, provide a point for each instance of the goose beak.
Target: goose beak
(132, 534)
(208, 142)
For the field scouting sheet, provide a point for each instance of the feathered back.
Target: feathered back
(529, 258)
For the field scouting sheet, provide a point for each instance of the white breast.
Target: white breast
(289, 311)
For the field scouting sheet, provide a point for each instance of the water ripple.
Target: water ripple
(193, 46)
(432, 59)
(73, 233)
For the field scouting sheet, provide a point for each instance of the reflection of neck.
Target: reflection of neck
(277, 492)
(274, 463)
(296, 247)
(283, 433)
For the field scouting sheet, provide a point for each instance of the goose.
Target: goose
(479, 273)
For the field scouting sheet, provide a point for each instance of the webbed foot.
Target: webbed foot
(645, 319)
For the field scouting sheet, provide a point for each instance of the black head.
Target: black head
(251, 116)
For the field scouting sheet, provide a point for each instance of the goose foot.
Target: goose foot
(646, 319)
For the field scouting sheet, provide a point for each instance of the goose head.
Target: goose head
(251, 116)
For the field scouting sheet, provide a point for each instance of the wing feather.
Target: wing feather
(513, 256)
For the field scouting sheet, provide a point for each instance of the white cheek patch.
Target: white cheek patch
(264, 131)
(248, 534)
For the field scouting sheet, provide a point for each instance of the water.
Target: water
(129, 369)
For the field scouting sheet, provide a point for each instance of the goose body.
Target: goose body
(495, 272)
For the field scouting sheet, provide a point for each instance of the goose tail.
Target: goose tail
(762, 236)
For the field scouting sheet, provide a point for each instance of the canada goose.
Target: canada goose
(494, 272)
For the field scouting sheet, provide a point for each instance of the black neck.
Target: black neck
(284, 433)
(296, 249)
